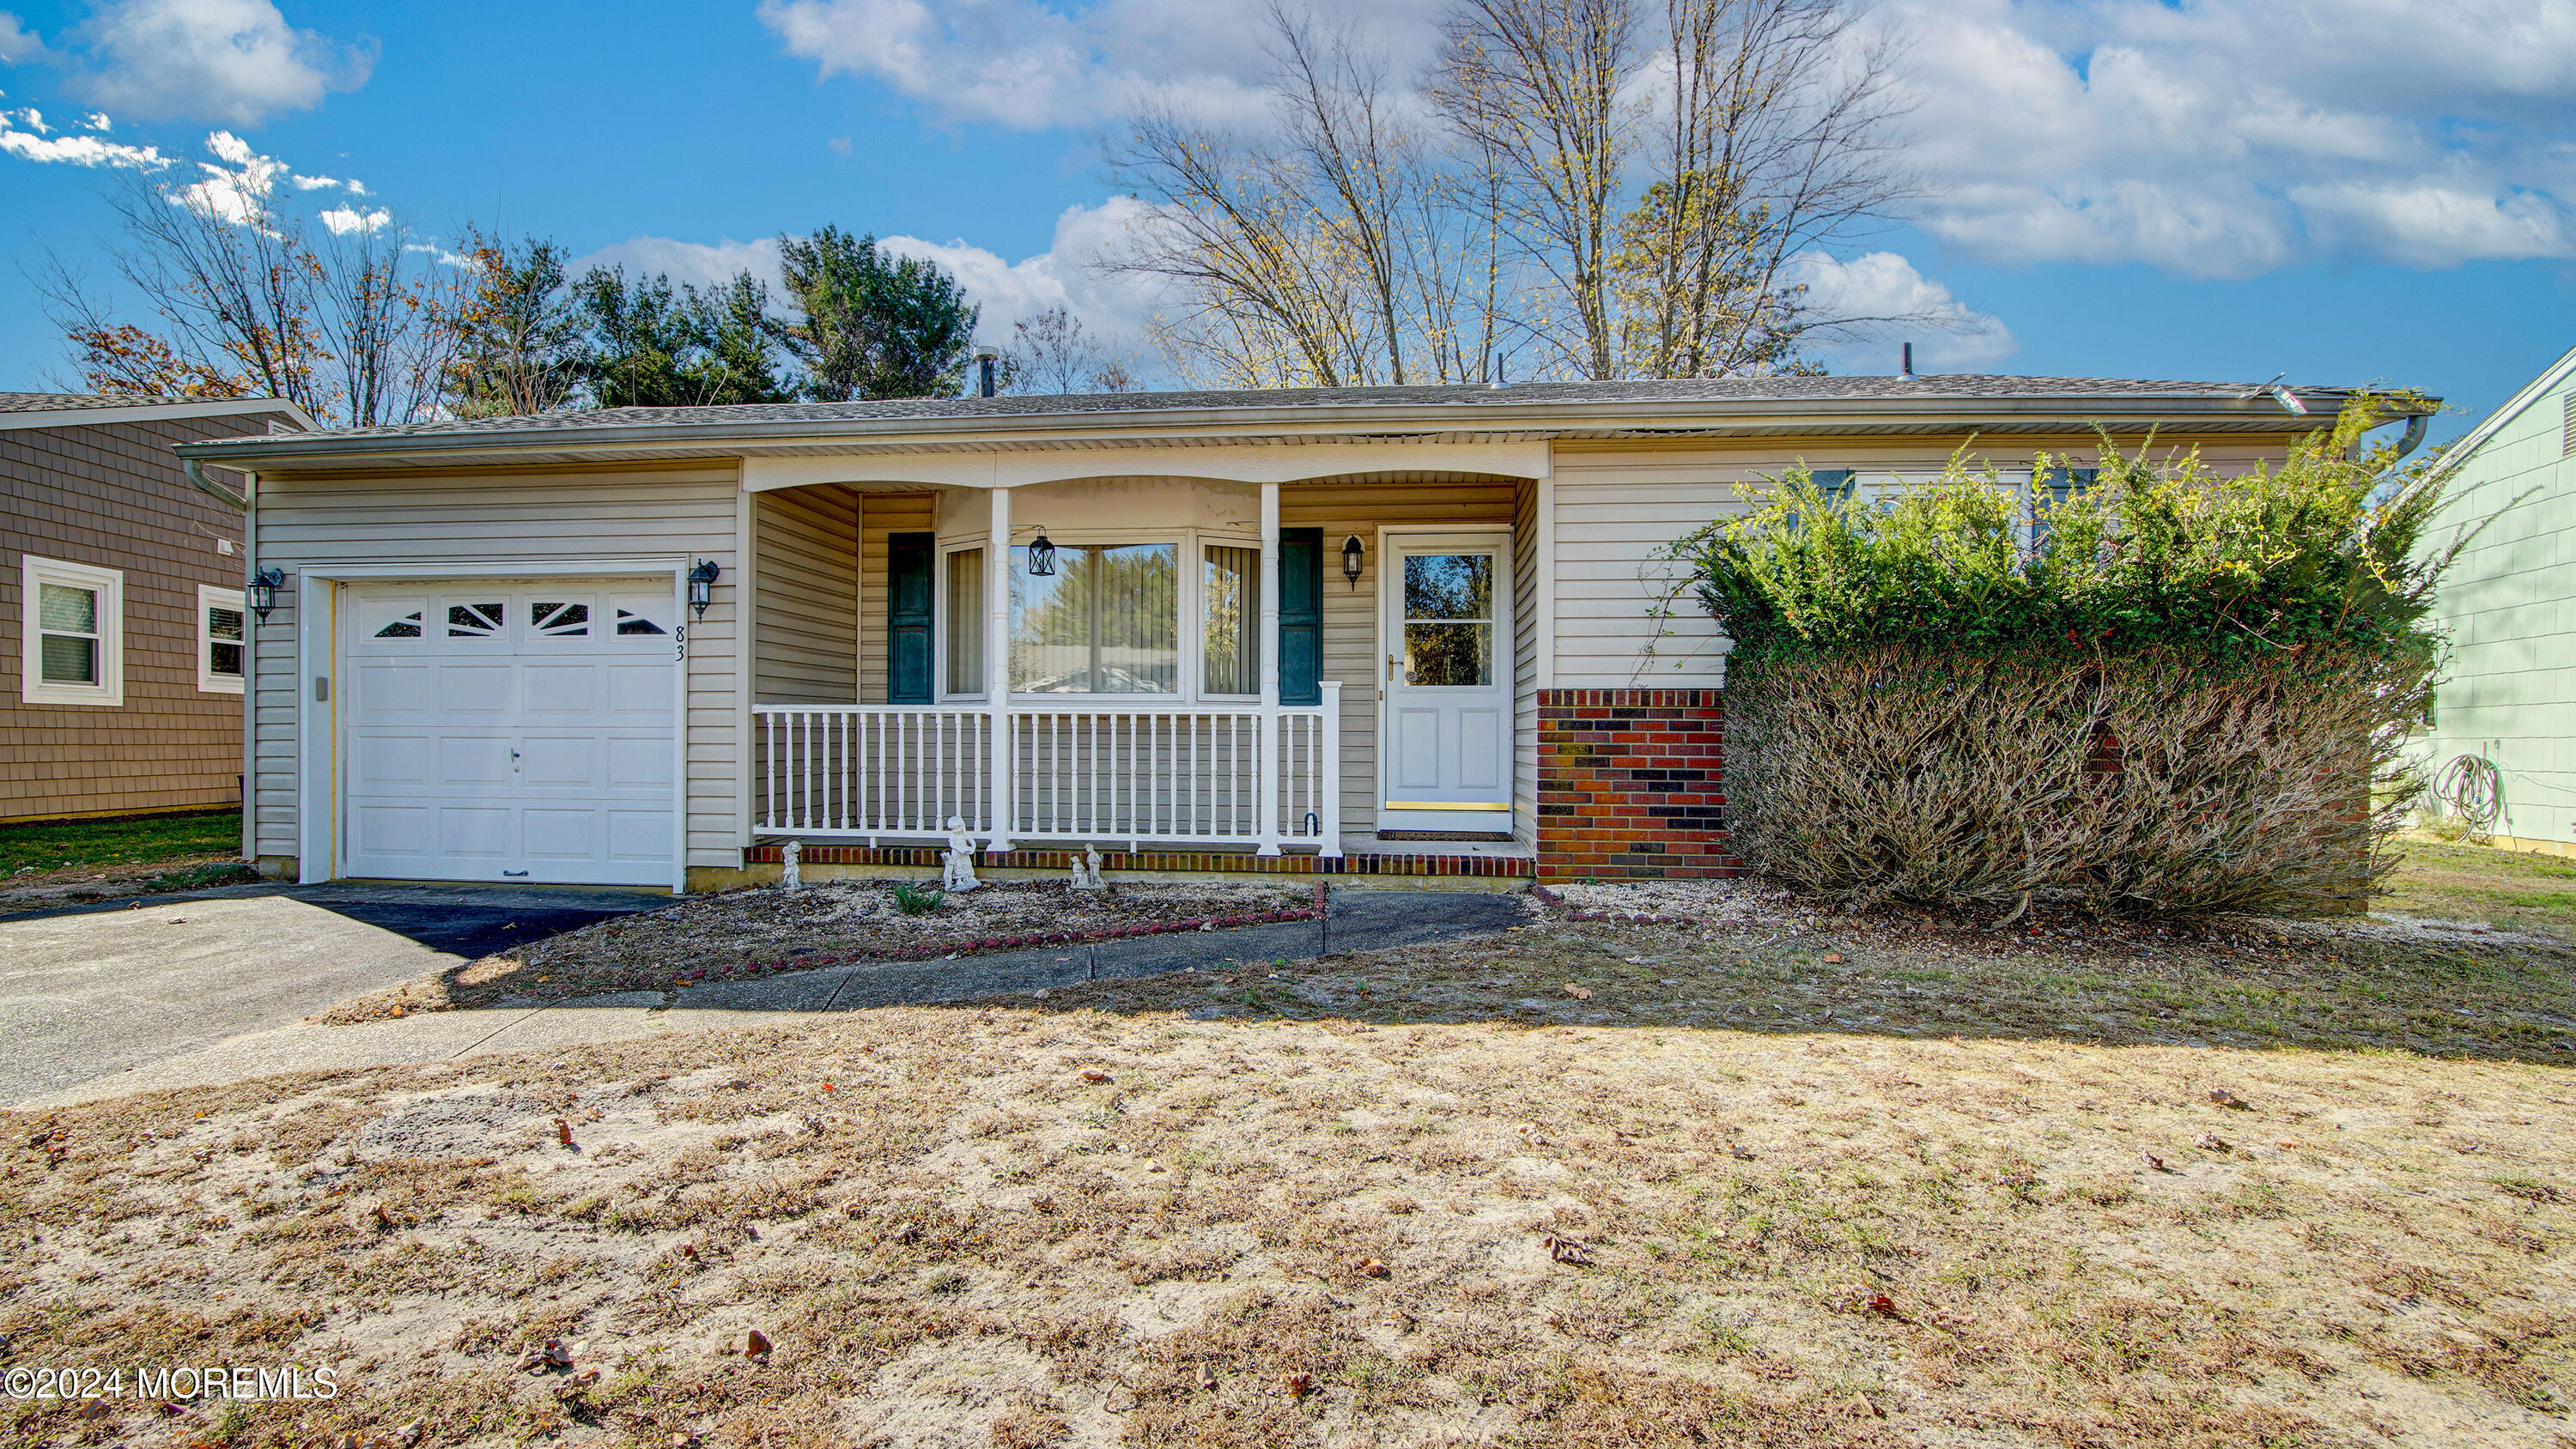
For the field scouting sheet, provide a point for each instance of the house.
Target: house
(120, 606)
(1400, 632)
(2502, 734)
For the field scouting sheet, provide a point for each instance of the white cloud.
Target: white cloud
(37, 143)
(1899, 304)
(2227, 138)
(343, 220)
(695, 264)
(235, 189)
(1007, 291)
(1027, 65)
(17, 43)
(230, 60)
(2220, 138)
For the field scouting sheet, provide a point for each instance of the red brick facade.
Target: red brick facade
(1631, 782)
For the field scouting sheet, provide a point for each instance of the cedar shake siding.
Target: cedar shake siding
(110, 495)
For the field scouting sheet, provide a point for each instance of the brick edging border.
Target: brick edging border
(976, 946)
(1549, 898)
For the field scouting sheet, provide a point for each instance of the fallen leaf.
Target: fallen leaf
(1881, 1304)
(2220, 1096)
(1094, 1074)
(1832, 958)
(563, 1132)
(384, 1224)
(756, 1347)
(1298, 1386)
(1566, 1250)
(1579, 993)
(2155, 1162)
(2212, 1142)
(1371, 1268)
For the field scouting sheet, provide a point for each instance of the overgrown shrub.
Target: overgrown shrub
(2170, 692)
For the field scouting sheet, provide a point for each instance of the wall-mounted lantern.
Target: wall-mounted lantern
(1041, 557)
(263, 591)
(702, 585)
(1351, 561)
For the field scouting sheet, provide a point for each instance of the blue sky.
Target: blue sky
(2370, 190)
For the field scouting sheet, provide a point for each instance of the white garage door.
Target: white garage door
(510, 732)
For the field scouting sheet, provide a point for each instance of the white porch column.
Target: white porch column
(1328, 770)
(1266, 769)
(997, 666)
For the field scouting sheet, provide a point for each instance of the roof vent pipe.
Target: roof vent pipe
(986, 359)
(1905, 368)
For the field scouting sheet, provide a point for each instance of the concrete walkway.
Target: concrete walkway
(1359, 921)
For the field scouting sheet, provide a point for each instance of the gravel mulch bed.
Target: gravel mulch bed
(771, 928)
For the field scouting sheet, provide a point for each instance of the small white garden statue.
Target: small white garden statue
(957, 871)
(794, 876)
(1086, 871)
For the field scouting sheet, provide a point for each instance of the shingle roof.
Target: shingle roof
(1954, 389)
(56, 402)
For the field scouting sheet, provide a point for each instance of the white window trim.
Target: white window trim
(109, 584)
(939, 619)
(1190, 542)
(210, 596)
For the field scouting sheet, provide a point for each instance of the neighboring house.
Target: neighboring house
(121, 623)
(2505, 722)
(1397, 631)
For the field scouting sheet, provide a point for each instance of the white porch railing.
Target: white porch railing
(1066, 774)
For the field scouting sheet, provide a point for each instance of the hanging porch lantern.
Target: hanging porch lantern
(1041, 557)
(702, 586)
(263, 591)
(1351, 561)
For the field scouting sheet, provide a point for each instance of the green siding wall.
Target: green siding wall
(2510, 607)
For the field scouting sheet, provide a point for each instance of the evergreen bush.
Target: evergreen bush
(2168, 691)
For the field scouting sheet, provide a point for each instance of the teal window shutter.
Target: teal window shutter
(1837, 483)
(908, 614)
(1301, 616)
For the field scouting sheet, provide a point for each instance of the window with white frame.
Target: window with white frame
(964, 602)
(220, 639)
(1106, 621)
(72, 633)
(1229, 602)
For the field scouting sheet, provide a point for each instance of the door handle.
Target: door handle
(519, 873)
(1390, 668)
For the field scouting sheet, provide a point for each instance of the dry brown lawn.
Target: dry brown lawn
(1944, 1191)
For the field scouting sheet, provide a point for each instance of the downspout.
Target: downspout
(2414, 437)
(247, 505)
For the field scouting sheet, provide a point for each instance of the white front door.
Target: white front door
(510, 732)
(1445, 742)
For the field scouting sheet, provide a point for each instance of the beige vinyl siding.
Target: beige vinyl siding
(806, 614)
(1623, 618)
(530, 519)
(110, 495)
(881, 514)
(1525, 660)
(1351, 648)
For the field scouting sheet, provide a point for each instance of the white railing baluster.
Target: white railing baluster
(1223, 775)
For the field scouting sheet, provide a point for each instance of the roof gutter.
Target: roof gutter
(212, 489)
(1209, 424)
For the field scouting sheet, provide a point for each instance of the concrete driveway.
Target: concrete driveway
(88, 993)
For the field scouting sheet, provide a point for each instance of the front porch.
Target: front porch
(1197, 680)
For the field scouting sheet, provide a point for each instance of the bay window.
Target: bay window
(966, 621)
(1107, 621)
(1229, 603)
